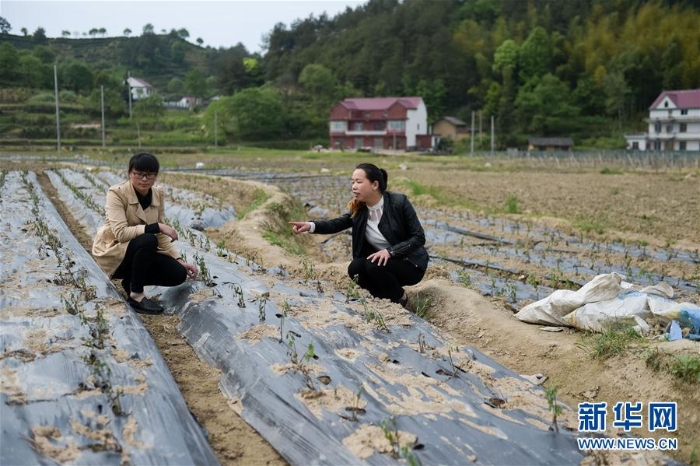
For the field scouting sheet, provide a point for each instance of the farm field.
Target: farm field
(501, 234)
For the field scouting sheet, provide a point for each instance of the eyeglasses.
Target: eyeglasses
(145, 176)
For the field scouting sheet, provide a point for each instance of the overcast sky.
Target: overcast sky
(221, 23)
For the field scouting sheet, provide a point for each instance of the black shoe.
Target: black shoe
(146, 306)
(404, 301)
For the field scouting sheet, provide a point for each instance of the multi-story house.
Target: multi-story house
(674, 123)
(397, 123)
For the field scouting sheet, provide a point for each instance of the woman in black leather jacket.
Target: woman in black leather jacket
(387, 237)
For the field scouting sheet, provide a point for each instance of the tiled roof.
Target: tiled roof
(455, 121)
(141, 82)
(380, 103)
(682, 99)
(559, 142)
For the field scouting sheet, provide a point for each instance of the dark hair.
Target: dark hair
(144, 162)
(374, 173)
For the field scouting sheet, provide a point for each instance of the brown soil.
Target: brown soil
(654, 208)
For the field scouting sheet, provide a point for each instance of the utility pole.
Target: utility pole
(102, 95)
(216, 130)
(58, 123)
(128, 85)
(492, 135)
(472, 138)
(481, 132)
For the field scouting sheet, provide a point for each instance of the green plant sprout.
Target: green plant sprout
(554, 407)
(391, 433)
(262, 301)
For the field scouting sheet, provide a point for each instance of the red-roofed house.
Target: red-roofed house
(674, 123)
(380, 123)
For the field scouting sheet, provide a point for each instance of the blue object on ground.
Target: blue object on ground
(674, 331)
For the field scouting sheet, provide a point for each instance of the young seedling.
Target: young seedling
(262, 301)
(285, 309)
(238, 291)
(554, 407)
(391, 433)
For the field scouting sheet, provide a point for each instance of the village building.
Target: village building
(550, 144)
(396, 123)
(674, 123)
(451, 127)
(139, 88)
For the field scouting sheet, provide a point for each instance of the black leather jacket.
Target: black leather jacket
(399, 225)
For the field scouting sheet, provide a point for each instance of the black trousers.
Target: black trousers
(385, 281)
(143, 265)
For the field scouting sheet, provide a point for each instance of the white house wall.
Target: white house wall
(667, 119)
(416, 123)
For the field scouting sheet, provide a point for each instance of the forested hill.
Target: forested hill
(587, 69)
(540, 66)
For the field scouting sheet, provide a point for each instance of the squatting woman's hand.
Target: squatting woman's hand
(382, 257)
(168, 231)
(192, 270)
(300, 227)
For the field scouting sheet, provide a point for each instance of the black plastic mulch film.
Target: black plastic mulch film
(77, 387)
(310, 404)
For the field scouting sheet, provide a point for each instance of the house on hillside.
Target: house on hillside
(550, 144)
(451, 127)
(674, 123)
(398, 123)
(139, 88)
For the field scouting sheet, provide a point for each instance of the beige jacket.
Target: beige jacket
(125, 220)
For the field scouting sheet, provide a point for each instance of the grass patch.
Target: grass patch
(512, 206)
(259, 198)
(421, 305)
(609, 344)
(588, 225)
(610, 171)
(685, 367)
(277, 231)
(417, 189)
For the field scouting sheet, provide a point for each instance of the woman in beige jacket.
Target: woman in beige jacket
(135, 244)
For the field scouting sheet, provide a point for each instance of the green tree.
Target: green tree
(93, 32)
(9, 62)
(77, 77)
(65, 33)
(176, 86)
(102, 32)
(149, 107)
(24, 32)
(127, 32)
(195, 83)
(534, 56)
(33, 72)
(616, 91)
(39, 36)
(543, 106)
(199, 41)
(177, 52)
(183, 34)
(114, 103)
(45, 54)
(5, 26)
(252, 114)
(318, 81)
(506, 56)
(148, 29)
